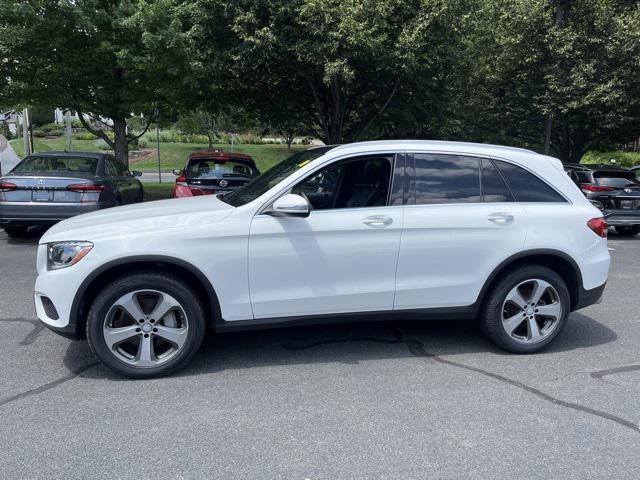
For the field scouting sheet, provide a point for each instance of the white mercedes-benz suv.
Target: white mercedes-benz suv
(375, 230)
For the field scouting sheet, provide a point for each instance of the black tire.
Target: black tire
(628, 231)
(16, 231)
(166, 284)
(491, 316)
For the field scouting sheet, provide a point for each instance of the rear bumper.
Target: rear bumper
(589, 297)
(621, 217)
(32, 213)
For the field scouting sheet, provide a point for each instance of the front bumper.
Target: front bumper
(621, 217)
(59, 287)
(33, 213)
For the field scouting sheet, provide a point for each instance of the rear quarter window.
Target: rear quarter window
(526, 187)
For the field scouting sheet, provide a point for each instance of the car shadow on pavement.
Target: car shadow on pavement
(349, 343)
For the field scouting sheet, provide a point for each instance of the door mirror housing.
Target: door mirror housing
(136, 173)
(177, 172)
(290, 205)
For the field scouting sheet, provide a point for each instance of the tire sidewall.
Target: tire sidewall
(491, 320)
(165, 284)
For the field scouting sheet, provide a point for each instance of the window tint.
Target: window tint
(112, 168)
(351, 184)
(46, 164)
(494, 189)
(446, 179)
(213, 168)
(616, 179)
(526, 186)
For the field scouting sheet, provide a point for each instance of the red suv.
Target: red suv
(213, 171)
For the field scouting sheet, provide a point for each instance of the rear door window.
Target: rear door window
(527, 187)
(446, 179)
(494, 188)
(112, 168)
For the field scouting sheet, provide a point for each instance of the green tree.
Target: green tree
(106, 59)
(339, 65)
(560, 72)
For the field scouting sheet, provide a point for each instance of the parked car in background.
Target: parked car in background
(387, 230)
(47, 187)
(614, 190)
(210, 172)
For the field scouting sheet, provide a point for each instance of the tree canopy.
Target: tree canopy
(104, 59)
(547, 74)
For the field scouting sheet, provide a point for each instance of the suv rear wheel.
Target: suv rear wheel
(526, 309)
(146, 325)
(628, 231)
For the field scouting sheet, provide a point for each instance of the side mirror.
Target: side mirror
(177, 172)
(136, 173)
(290, 205)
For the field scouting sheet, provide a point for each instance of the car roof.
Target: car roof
(436, 145)
(217, 154)
(55, 154)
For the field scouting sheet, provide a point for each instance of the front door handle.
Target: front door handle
(500, 218)
(378, 221)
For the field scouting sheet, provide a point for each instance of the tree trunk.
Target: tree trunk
(547, 134)
(121, 143)
(210, 138)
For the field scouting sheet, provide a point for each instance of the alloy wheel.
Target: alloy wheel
(531, 311)
(145, 328)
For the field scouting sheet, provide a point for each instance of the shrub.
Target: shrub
(48, 127)
(623, 159)
(84, 136)
(39, 133)
(56, 133)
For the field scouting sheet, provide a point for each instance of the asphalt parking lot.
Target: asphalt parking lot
(359, 401)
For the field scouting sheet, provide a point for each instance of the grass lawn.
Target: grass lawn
(172, 155)
(154, 191)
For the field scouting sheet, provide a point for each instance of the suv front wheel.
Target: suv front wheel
(146, 325)
(526, 309)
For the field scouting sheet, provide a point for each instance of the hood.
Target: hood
(139, 218)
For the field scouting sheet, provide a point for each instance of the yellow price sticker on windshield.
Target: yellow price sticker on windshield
(302, 164)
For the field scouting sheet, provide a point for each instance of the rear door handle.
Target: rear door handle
(500, 218)
(378, 221)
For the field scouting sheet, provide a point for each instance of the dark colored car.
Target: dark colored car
(614, 190)
(213, 171)
(47, 187)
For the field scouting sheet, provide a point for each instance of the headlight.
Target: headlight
(65, 254)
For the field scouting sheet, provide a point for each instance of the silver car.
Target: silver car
(47, 187)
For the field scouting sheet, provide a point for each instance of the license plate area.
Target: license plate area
(41, 195)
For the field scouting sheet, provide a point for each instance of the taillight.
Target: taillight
(590, 187)
(86, 187)
(7, 187)
(599, 226)
(181, 180)
(180, 191)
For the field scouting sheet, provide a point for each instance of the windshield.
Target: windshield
(616, 180)
(273, 176)
(45, 164)
(210, 168)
